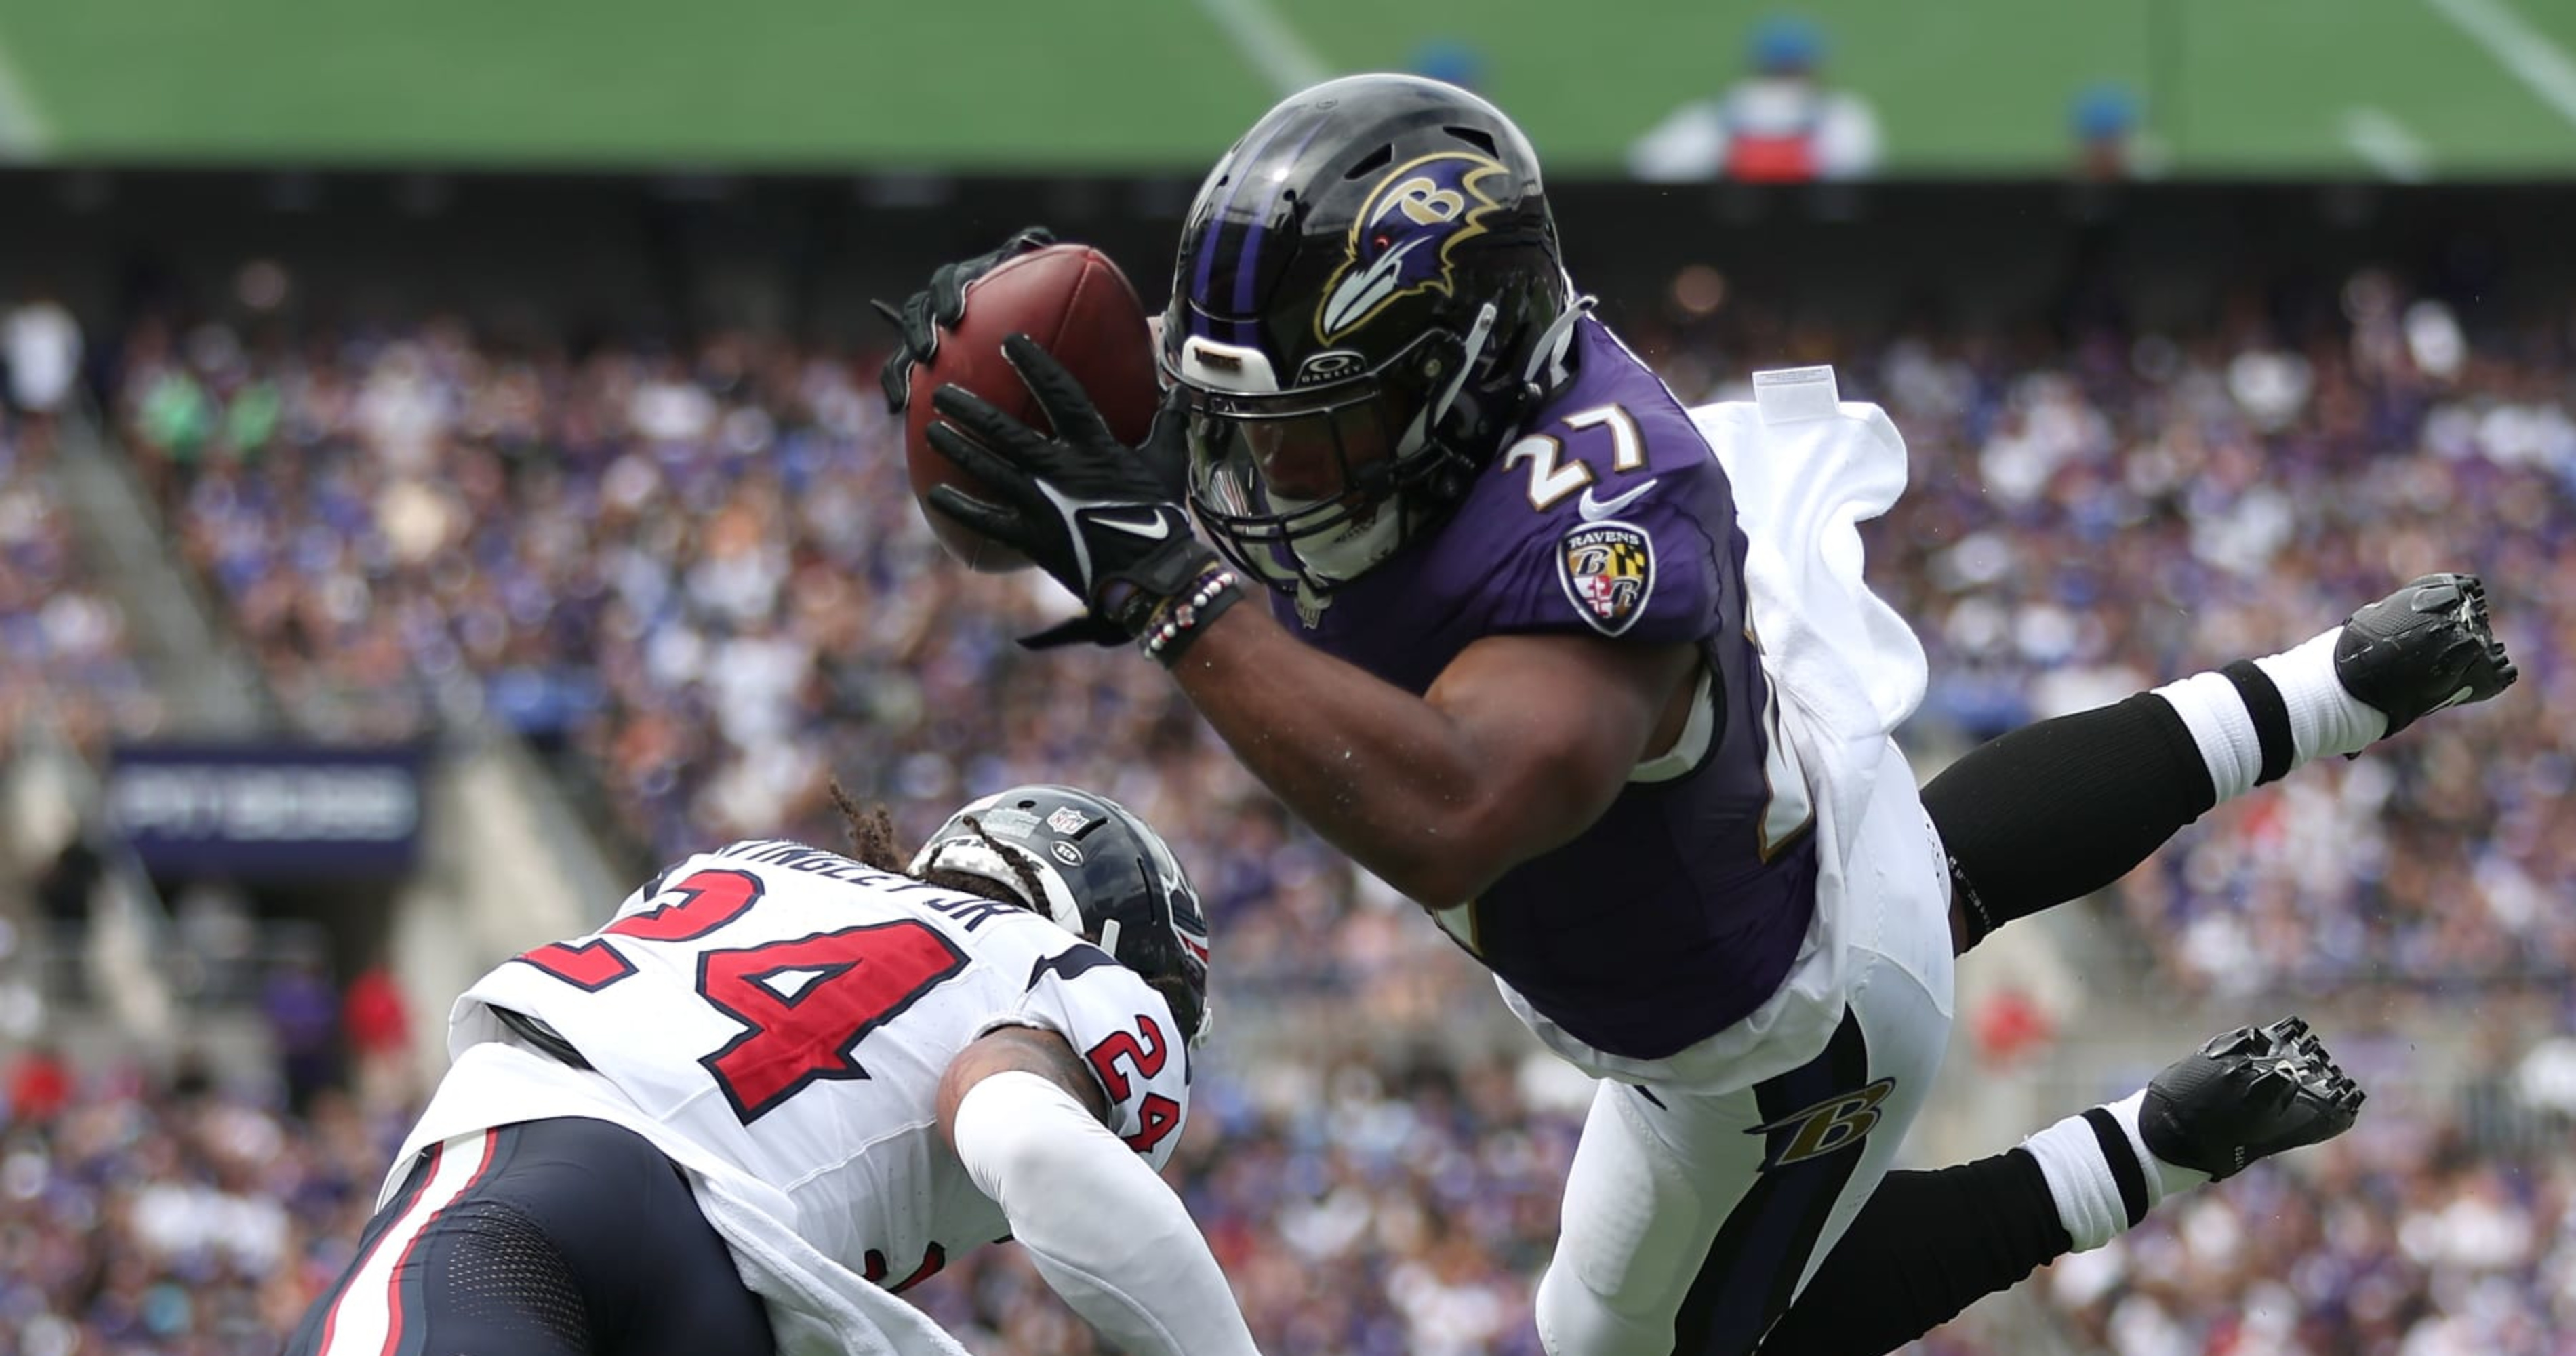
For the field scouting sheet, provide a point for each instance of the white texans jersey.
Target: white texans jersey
(791, 1011)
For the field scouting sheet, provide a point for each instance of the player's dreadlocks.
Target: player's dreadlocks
(872, 843)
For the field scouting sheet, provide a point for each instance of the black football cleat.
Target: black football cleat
(2246, 1095)
(2422, 648)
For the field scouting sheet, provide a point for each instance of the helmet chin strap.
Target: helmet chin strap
(1549, 352)
(1470, 351)
(1469, 354)
(1355, 548)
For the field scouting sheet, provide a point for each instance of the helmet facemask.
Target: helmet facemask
(1309, 488)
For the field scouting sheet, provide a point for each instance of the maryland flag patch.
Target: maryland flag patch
(1608, 570)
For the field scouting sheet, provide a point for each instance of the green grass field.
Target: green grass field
(2233, 87)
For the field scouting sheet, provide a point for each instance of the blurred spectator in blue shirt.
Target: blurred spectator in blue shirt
(2105, 122)
(1451, 61)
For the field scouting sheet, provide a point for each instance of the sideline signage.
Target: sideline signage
(268, 811)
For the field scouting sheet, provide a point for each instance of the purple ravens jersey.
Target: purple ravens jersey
(1681, 909)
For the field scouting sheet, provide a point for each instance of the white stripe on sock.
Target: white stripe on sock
(2324, 718)
(2087, 1195)
(2211, 709)
(2163, 1178)
(2082, 1184)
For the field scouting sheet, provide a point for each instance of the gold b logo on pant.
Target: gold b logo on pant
(1834, 1124)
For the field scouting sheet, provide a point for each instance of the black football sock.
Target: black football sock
(1925, 1246)
(2056, 810)
(1929, 1244)
(2059, 809)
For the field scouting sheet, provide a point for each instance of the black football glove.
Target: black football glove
(1103, 518)
(938, 307)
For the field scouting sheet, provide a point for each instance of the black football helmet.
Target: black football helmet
(1368, 294)
(1104, 875)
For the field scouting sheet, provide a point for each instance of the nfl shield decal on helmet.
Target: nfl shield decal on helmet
(1608, 570)
(1068, 820)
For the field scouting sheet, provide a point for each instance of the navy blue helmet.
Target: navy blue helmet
(1368, 294)
(1103, 874)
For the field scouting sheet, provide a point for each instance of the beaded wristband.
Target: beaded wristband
(1179, 621)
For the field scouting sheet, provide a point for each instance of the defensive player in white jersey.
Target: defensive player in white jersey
(783, 1083)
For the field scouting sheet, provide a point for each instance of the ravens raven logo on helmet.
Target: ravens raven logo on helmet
(1402, 236)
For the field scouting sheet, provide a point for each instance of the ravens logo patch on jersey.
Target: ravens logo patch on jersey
(1608, 570)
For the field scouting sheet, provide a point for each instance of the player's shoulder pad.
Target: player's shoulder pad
(1125, 1033)
(1784, 399)
(1069, 964)
(1793, 395)
(1798, 442)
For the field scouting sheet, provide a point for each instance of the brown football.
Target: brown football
(1080, 308)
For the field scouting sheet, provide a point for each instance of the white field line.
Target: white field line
(2378, 137)
(23, 134)
(2538, 62)
(1266, 40)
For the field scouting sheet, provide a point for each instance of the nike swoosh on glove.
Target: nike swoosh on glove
(1105, 519)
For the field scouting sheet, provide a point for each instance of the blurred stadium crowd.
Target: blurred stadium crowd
(700, 574)
(1358, 1209)
(70, 664)
(695, 576)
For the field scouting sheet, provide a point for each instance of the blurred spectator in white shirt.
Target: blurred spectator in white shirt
(42, 344)
(1777, 125)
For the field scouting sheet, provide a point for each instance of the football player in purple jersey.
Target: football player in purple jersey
(1595, 680)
